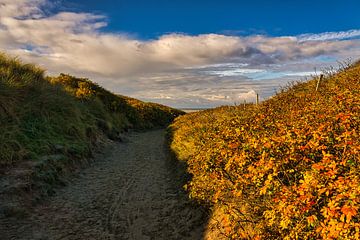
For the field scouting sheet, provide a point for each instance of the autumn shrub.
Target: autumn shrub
(286, 169)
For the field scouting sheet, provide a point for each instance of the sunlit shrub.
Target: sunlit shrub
(286, 169)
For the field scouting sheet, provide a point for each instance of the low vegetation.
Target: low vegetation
(288, 168)
(61, 119)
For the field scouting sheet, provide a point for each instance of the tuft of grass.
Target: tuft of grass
(286, 169)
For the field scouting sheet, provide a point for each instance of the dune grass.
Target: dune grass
(41, 115)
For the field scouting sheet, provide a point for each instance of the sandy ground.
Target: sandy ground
(130, 192)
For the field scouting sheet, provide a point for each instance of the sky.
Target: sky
(185, 54)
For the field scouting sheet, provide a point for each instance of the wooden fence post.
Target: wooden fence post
(257, 99)
(318, 82)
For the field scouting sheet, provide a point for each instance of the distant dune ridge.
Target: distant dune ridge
(288, 168)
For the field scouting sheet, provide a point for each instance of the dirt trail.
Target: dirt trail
(129, 193)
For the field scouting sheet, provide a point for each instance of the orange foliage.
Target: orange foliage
(288, 168)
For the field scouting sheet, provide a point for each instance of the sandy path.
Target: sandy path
(129, 193)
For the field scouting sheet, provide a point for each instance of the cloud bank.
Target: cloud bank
(176, 69)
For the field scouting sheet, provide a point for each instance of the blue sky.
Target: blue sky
(183, 53)
(150, 19)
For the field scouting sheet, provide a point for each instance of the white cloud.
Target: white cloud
(235, 72)
(19, 8)
(330, 36)
(174, 66)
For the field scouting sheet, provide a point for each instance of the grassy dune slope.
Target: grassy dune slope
(286, 169)
(122, 111)
(60, 119)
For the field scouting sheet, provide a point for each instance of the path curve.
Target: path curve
(129, 193)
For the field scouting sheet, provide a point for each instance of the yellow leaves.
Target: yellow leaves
(216, 196)
(309, 180)
(223, 152)
(238, 130)
(84, 90)
(333, 205)
(323, 190)
(268, 184)
(263, 190)
(311, 220)
(284, 224)
(270, 217)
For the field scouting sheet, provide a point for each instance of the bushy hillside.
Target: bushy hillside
(286, 169)
(41, 116)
